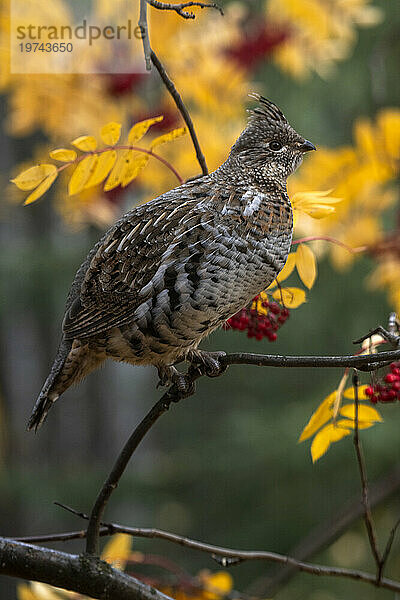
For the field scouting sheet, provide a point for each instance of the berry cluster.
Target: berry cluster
(387, 389)
(259, 323)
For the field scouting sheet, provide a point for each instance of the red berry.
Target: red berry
(369, 391)
(390, 378)
(274, 308)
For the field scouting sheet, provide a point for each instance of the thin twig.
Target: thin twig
(246, 555)
(173, 394)
(332, 240)
(324, 534)
(369, 524)
(151, 57)
(144, 30)
(169, 84)
(388, 547)
(180, 8)
(78, 159)
(388, 335)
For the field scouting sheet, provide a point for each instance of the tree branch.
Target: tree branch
(81, 574)
(180, 8)
(369, 524)
(228, 554)
(367, 362)
(327, 532)
(169, 84)
(151, 57)
(173, 394)
(389, 545)
(144, 30)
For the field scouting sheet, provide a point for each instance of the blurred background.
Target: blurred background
(223, 466)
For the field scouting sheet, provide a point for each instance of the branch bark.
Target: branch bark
(175, 395)
(326, 533)
(171, 395)
(151, 57)
(229, 556)
(369, 523)
(169, 84)
(367, 362)
(180, 8)
(81, 574)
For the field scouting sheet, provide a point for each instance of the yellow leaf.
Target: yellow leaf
(24, 592)
(339, 393)
(140, 129)
(389, 124)
(135, 162)
(319, 417)
(315, 204)
(82, 173)
(167, 137)
(41, 188)
(105, 163)
(349, 392)
(63, 154)
(86, 143)
(288, 268)
(42, 591)
(110, 133)
(117, 550)
(365, 413)
(347, 423)
(324, 438)
(115, 177)
(29, 179)
(306, 265)
(291, 297)
(216, 584)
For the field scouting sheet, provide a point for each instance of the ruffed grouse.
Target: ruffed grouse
(171, 271)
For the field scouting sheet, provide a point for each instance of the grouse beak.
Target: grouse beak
(307, 146)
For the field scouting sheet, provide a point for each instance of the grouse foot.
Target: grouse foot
(168, 375)
(209, 362)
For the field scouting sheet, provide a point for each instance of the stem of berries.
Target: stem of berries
(260, 319)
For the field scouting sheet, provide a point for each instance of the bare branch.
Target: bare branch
(169, 84)
(82, 574)
(326, 532)
(363, 362)
(151, 57)
(180, 8)
(228, 554)
(144, 29)
(389, 546)
(389, 336)
(369, 524)
(173, 394)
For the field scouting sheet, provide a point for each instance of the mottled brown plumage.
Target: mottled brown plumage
(171, 271)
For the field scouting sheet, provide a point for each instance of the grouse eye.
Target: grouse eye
(274, 145)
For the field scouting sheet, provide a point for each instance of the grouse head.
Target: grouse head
(269, 145)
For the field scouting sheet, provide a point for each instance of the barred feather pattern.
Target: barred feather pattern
(171, 271)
